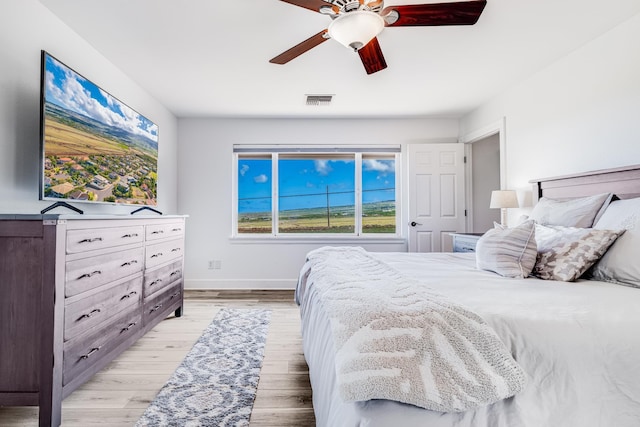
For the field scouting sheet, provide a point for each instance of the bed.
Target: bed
(576, 341)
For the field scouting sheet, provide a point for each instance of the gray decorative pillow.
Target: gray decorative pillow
(510, 252)
(565, 253)
(580, 212)
(620, 263)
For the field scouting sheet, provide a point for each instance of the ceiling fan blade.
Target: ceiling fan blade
(300, 48)
(372, 57)
(314, 5)
(417, 15)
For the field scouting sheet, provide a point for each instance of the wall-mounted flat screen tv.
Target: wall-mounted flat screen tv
(94, 148)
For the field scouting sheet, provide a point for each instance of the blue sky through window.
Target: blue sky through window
(378, 180)
(303, 183)
(254, 185)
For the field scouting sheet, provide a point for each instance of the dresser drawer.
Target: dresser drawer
(89, 273)
(162, 277)
(161, 304)
(84, 350)
(100, 238)
(164, 231)
(160, 253)
(83, 314)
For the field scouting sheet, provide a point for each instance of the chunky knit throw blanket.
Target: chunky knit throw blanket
(397, 340)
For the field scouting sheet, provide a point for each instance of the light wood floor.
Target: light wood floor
(120, 393)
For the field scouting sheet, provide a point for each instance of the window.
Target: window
(254, 194)
(378, 194)
(316, 191)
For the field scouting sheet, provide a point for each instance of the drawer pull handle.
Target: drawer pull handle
(93, 350)
(87, 315)
(86, 275)
(129, 326)
(156, 308)
(155, 282)
(95, 239)
(133, 261)
(175, 250)
(176, 229)
(156, 255)
(129, 295)
(128, 236)
(174, 295)
(157, 232)
(174, 273)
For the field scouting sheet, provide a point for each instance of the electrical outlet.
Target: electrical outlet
(215, 264)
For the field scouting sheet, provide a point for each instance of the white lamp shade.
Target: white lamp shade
(355, 29)
(504, 199)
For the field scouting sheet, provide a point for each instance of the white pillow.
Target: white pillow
(621, 263)
(510, 252)
(580, 212)
(566, 253)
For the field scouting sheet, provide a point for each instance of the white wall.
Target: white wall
(581, 113)
(205, 190)
(26, 28)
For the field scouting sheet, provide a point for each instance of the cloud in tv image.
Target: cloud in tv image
(95, 147)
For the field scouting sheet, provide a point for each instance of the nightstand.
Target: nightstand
(465, 242)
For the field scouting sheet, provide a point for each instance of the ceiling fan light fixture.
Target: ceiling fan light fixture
(355, 29)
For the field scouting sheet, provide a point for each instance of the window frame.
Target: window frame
(386, 151)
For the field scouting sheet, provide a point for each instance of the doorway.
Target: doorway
(485, 177)
(485, 171)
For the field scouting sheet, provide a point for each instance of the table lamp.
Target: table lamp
(503, 199)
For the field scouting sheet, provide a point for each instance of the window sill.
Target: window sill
(242, 240)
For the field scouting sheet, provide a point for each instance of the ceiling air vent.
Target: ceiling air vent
(319, 99)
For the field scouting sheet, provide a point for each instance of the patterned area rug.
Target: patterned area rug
(215, 385)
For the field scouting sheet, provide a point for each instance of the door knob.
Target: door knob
(413, 223)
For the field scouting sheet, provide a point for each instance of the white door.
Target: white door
(436, 196)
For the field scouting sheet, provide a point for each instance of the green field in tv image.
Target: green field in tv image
(86, 159)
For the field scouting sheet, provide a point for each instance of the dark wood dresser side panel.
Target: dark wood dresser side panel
(20, 305)
(52, 315)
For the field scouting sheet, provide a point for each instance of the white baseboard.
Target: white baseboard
(277, 284)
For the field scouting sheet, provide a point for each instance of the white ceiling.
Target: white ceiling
(204, 58)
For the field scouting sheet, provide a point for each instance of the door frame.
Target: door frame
(497, 127)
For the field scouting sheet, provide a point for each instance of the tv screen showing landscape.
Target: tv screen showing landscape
(94, 147)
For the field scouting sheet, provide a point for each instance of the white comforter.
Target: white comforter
(397, 340)
(579, 344)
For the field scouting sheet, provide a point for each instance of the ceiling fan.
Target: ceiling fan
(357, 23)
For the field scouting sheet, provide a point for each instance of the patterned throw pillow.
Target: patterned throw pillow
(565, 253)
(510, 252)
